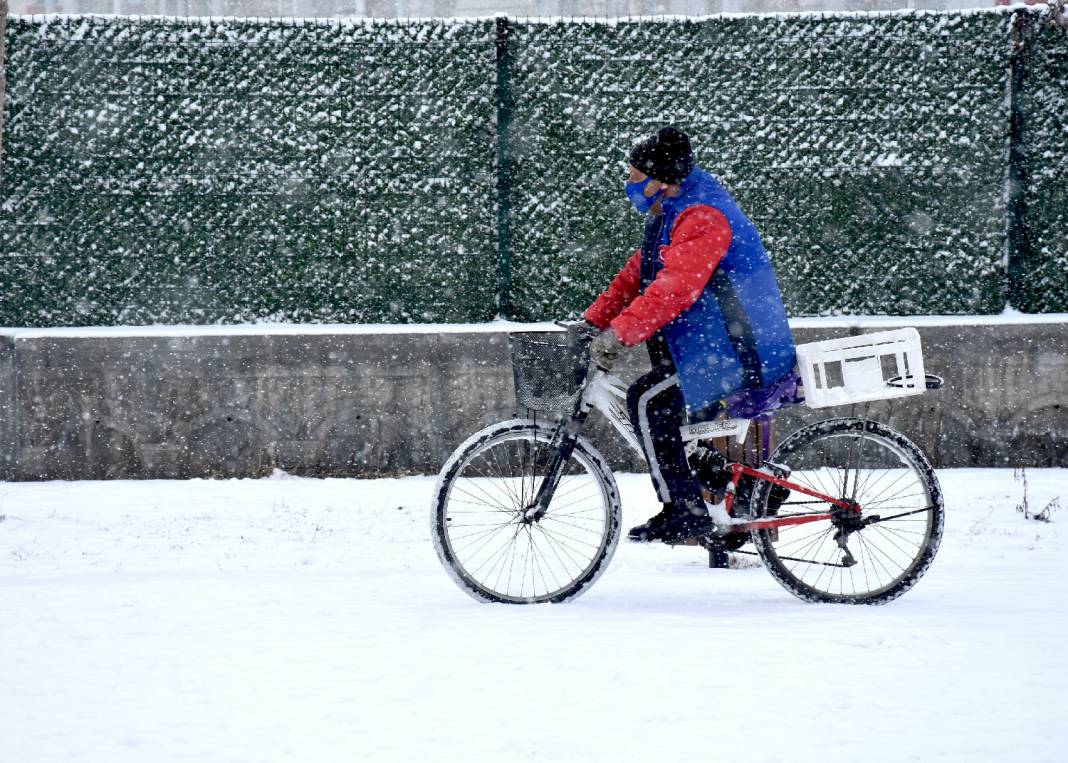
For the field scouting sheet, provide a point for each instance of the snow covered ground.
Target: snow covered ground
(309, 620)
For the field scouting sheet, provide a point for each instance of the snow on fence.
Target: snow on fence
(230, 170)
(1041, 265)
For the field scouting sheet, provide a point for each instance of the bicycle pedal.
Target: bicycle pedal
(723, 524)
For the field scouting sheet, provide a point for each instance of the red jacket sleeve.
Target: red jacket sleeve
(699, 239)
(620, 293)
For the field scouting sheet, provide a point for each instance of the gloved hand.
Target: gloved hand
(587, 328)
(604, 350)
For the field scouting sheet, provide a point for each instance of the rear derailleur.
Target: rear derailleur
(848, 521)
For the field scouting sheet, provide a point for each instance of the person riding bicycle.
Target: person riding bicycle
(702, 295)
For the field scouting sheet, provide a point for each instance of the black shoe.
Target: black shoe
(673, 526)
(654, 526)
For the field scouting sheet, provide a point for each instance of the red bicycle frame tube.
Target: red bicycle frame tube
(737, 470)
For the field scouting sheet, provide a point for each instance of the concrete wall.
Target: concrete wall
(100, 406)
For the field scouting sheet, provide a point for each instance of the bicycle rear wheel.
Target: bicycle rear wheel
(870, 559)
(477, 518)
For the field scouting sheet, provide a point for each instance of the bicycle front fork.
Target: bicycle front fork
(561, 447)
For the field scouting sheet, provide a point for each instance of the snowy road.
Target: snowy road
(306, 620)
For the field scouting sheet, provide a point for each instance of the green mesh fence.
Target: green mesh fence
(869, 150)
(228, 171)
(165, 171)
(1043, 100)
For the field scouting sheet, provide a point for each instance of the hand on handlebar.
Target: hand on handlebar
(605, 349)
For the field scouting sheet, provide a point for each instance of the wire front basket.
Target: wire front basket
(549, 369)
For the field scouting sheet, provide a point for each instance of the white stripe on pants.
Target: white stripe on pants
(647, 441)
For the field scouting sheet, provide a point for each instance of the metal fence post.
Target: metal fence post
(1017, 172)
(3, 26)
(504, 117)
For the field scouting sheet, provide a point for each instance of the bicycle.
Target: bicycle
(845, 510)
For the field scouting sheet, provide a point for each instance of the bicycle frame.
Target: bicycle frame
(768, 523)
(608, 394)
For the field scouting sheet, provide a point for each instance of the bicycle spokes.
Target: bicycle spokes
(495, 540)
(853, 555)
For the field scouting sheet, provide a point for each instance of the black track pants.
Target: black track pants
(657, 411)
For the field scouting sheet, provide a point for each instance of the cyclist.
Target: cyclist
(701, 293)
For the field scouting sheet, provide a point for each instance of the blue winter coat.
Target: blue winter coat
(735, 336)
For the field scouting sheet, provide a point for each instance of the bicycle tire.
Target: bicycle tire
(895, 542)
(555, 550)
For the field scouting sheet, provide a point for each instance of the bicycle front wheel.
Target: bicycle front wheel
(868, 559)
(477, 520)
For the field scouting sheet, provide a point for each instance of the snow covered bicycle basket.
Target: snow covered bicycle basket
(856, 369)
(549, 369)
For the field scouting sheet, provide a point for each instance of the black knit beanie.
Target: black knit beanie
(665, 156)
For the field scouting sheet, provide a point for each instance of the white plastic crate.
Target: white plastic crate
(857, 369)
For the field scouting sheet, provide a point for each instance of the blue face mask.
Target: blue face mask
(636, 194)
